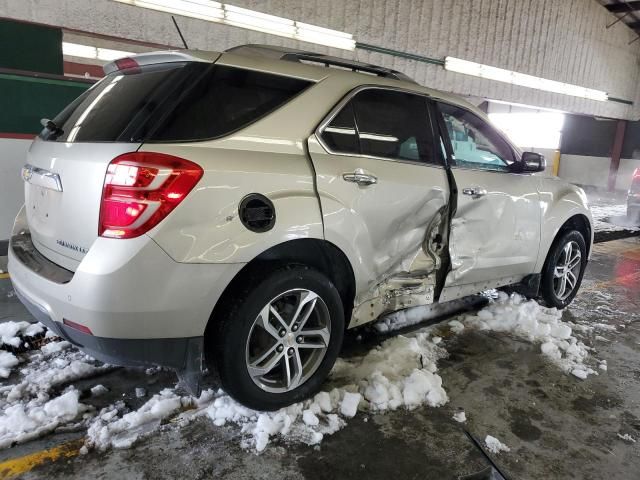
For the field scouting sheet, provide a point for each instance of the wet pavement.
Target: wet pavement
(556, 425)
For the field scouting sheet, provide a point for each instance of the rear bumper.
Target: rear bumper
(141, 306)
(131, 352)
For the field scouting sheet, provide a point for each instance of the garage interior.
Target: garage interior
(567, 86)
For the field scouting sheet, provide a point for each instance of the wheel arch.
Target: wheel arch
(578, 222)
(322, 255)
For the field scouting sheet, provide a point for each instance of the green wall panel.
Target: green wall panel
(25, 100)
(36, 48)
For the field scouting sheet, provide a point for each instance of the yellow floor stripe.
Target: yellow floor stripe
(4, 275)
(18, 466)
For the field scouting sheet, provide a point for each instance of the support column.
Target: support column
(616, 151)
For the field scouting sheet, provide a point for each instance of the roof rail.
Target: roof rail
(301, 56)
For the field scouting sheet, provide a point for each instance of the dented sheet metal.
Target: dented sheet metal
(382, 227)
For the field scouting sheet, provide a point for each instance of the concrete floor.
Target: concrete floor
(556, 425)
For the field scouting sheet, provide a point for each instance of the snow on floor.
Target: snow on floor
(30, 408)
(494, 445)
(400, 373)
(611, 218)
(535, 323)
(13, 333)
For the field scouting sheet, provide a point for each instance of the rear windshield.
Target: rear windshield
(172, 102)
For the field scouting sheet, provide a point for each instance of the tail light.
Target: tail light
(636, 173)
(141, 189)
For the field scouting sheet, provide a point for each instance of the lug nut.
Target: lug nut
(282, 332)
(280, 348)
(291, 351)
(300, 339)
(295, 327)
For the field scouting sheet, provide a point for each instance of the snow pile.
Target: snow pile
(13, 333)
(24, 421)
(400, 373)
(531, 321)
(106, 429)
(27, 409)
(45, 372)
(460, 417)
(7, 362)
(495, 446)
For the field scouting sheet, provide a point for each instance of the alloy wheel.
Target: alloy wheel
(567, 270)
(288, 340)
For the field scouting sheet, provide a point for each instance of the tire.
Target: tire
(248, 330)
(551, 283)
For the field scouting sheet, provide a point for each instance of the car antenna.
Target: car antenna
(179, 32)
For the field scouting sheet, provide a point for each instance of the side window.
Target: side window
(388, 124)
(475, 143)
(340, 134)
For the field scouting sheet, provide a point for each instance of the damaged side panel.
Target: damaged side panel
(394, 230)
(413, 281)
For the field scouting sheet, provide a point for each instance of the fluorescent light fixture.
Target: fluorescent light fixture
(95, 53)
(515, 78)
(203, 9)
(249, 19)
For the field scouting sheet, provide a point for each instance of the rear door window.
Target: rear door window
(382, 123)
(173, 102)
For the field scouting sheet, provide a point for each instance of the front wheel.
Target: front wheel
(563, 269)
(279, 338)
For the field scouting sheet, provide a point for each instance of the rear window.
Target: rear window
(172, 102)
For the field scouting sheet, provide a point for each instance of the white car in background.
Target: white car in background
(241, 210)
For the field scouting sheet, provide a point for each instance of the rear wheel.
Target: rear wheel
(563, 270)
(280, 336)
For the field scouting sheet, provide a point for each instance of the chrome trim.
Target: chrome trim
(475, 192)
(41, 178)
(360, 177)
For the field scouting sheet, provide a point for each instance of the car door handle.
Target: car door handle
(474, 191)
(359, 177)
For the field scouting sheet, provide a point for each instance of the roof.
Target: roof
(302, 56)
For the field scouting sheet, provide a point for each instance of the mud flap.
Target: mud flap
(190, 377)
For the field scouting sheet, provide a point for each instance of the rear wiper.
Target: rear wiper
(51, 126)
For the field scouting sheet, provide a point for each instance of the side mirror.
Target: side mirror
(532, 162)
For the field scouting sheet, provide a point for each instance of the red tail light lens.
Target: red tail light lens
(636, 173)
(141, 189)
(126, 63)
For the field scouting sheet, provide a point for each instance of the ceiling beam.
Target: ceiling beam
(623, 7)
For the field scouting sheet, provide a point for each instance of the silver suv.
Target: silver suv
(241, 210)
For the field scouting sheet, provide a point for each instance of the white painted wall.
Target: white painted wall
(11, 187)
(565, 40)
(585, 170)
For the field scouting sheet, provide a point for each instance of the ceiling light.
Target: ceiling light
(95, 53)
(250, 19)
(204, 9)
(515, 78)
